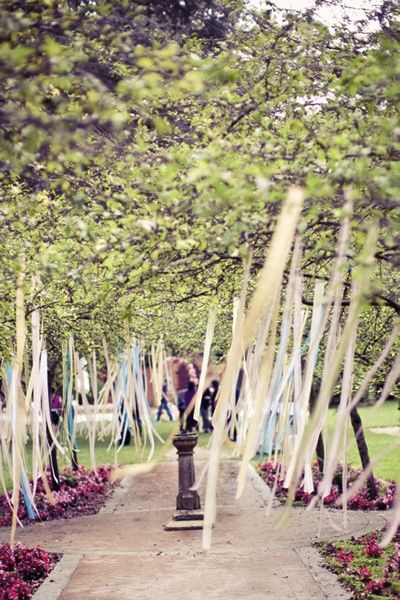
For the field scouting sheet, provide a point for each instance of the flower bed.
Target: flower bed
(360, 501)
(22, 570)
(363, 567)
(81, 492)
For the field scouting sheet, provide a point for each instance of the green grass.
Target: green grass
(127, 454)
(387, 415)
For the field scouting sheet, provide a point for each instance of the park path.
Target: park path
(124, 552)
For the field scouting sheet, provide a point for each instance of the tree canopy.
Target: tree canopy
(146, 148)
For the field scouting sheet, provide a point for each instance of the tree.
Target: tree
(155, 167)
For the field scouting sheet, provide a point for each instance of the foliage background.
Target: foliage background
(146, 147)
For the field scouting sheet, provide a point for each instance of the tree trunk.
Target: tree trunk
(363, 450)
(320, 449)
(74, 460)
(54, 472)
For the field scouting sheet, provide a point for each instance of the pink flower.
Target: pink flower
(13, 587)
(360, 501)
(331, 498)
(7, 559)
(393, 564)
(344, 556)
(20, 567)
(81, 487)
(375, 586)
(365, 573)
(32, 563)
(372, 549)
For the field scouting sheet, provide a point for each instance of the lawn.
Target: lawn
(387, 415)
(126, 455)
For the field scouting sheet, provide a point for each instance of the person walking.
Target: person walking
(215, 387)
(164, 404)
(181, 409)
(205, 409)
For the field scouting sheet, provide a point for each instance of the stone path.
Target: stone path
(386, 430)
(124, 552)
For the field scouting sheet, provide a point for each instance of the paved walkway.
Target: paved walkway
(124, 552)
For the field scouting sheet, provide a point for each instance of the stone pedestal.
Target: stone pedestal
(186, 499)
(188, 514)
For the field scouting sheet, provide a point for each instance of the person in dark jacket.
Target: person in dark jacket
(164, 404)
(215, 386)
(190, 393)
(207, 405)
